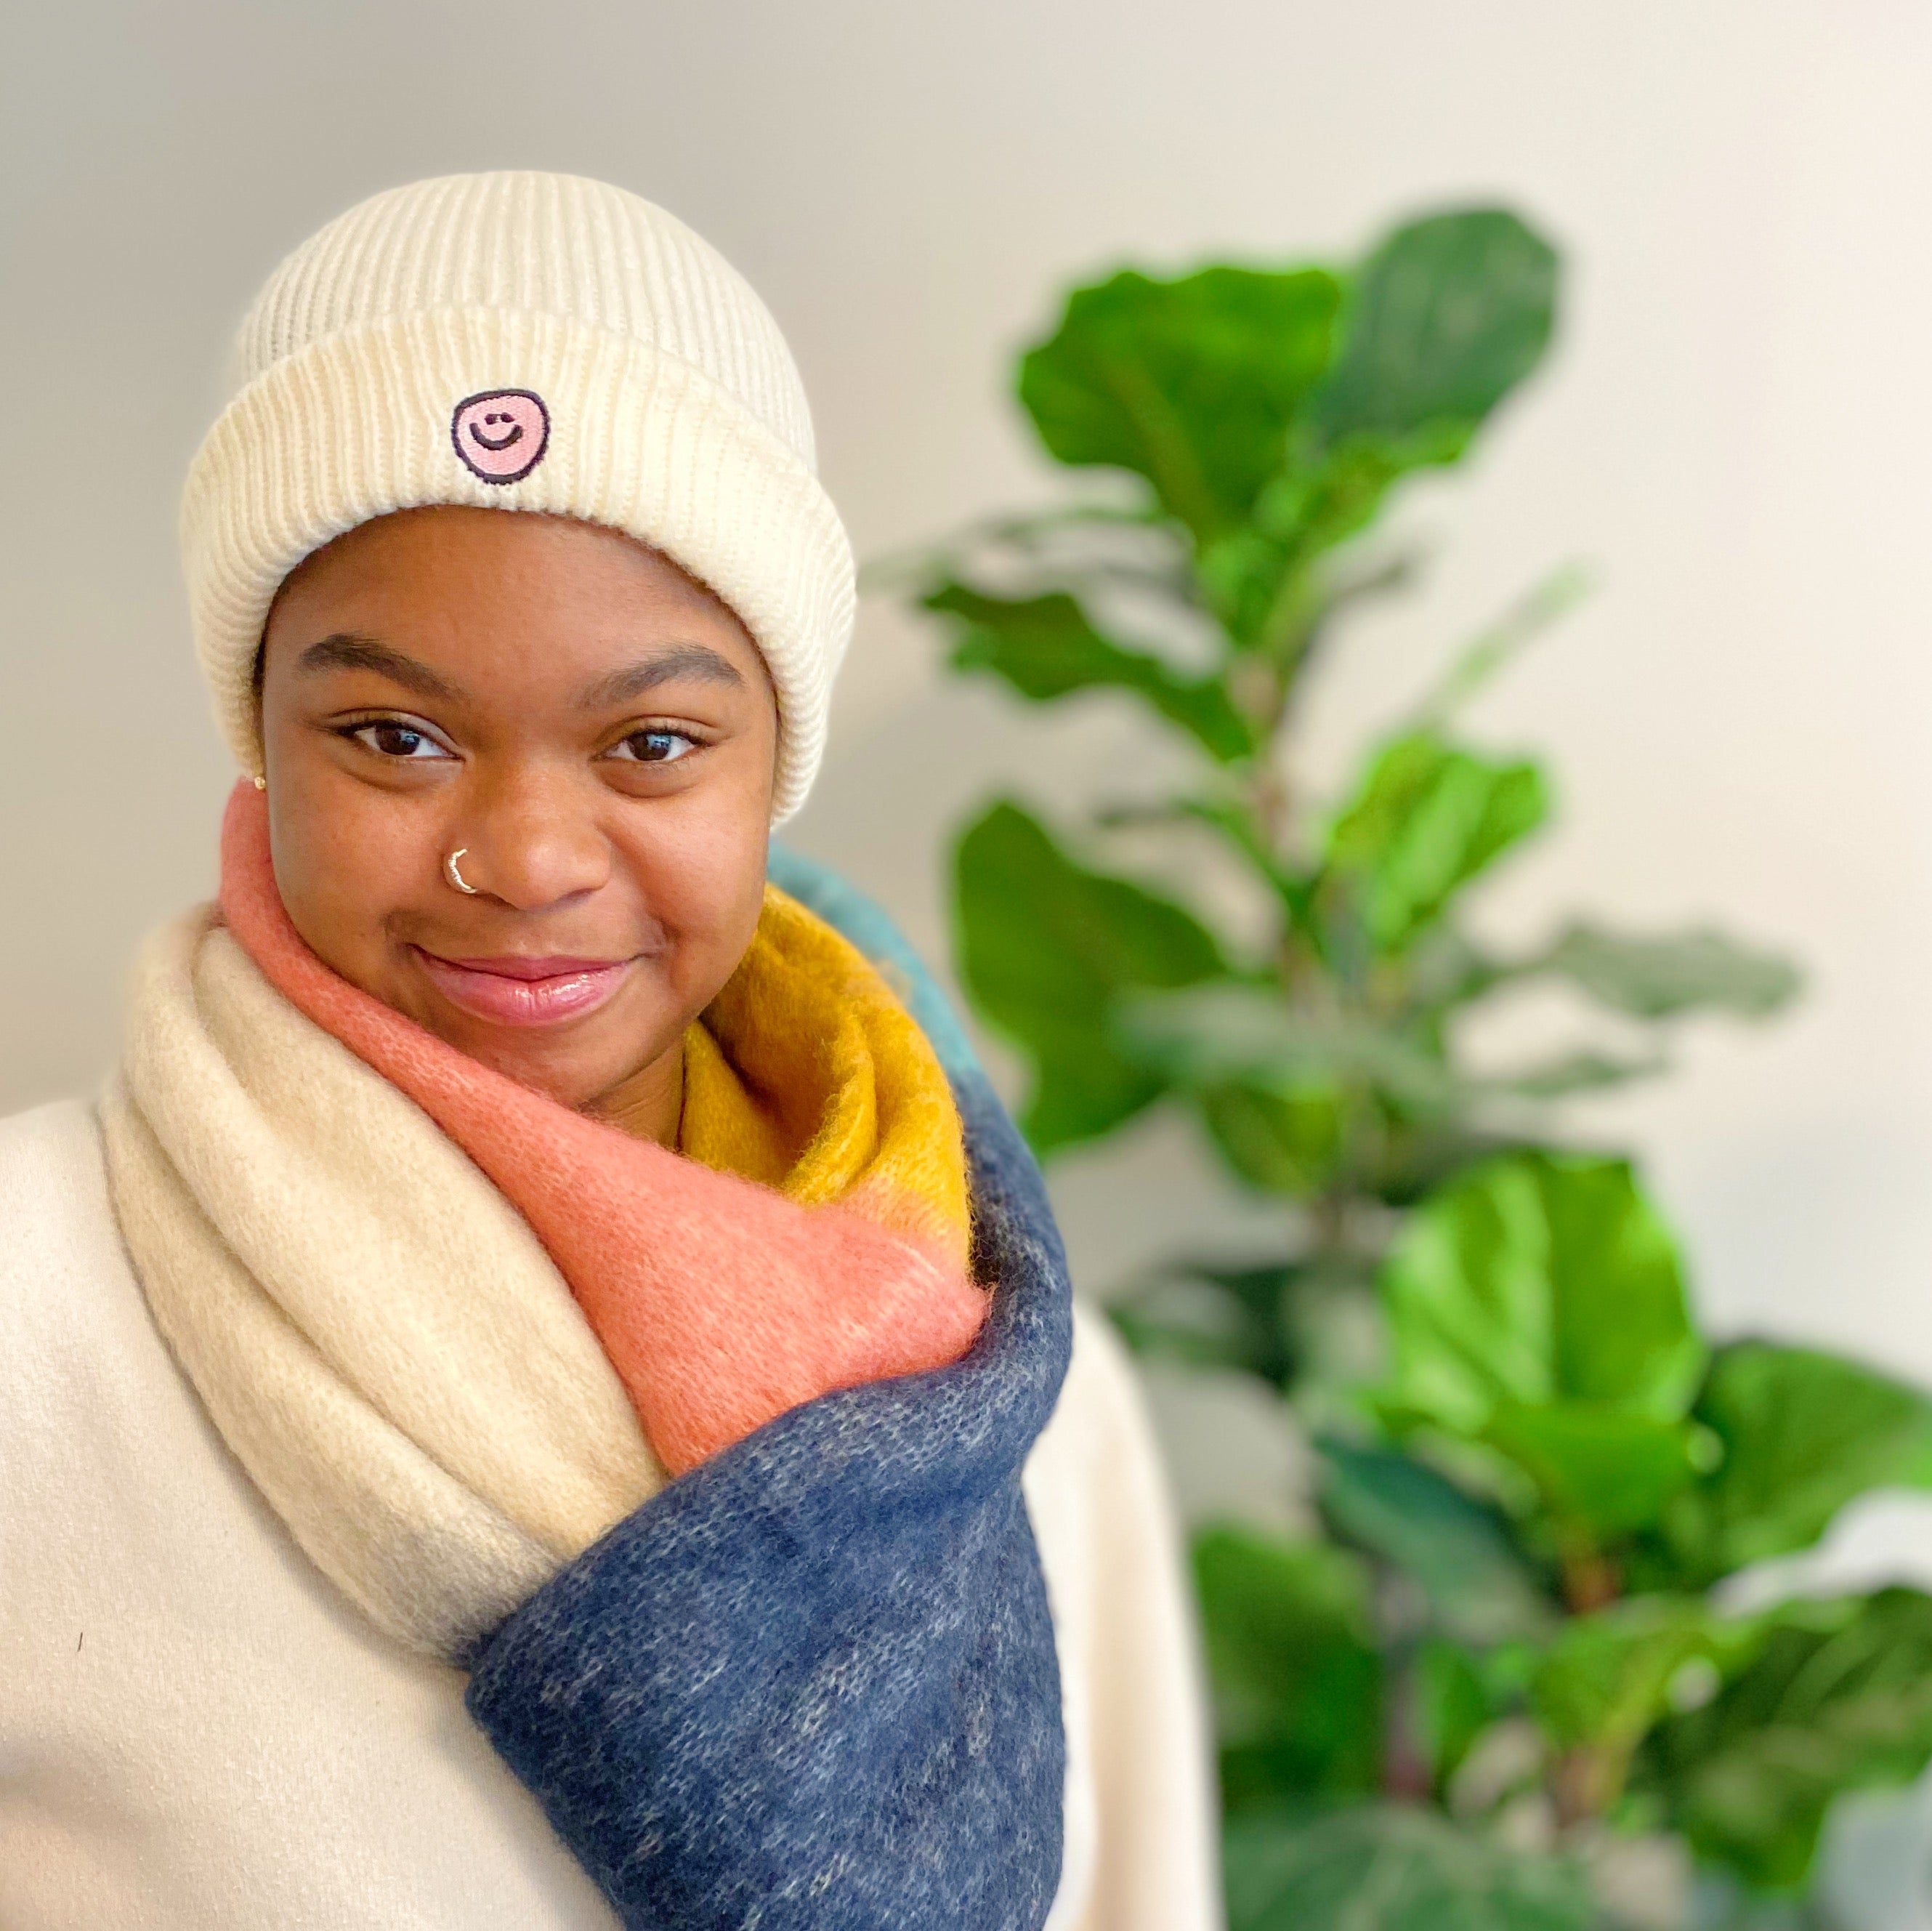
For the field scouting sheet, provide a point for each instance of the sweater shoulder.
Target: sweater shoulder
(64, 1273)
(53, 1191)
(1100, 1412)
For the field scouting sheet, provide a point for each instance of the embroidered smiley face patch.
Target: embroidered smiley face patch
(501, 435)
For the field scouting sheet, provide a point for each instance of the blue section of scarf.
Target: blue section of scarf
(811, 1686)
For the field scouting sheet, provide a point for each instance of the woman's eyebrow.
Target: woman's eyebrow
(345, 651)
(695, 662)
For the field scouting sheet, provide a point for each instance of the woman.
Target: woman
(541, 1396)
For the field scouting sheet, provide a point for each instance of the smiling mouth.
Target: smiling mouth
(494, 443)
(518, 992)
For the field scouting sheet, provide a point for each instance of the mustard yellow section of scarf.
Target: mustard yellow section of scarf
(806, 1074)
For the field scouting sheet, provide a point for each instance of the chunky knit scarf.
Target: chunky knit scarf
(457, 1335)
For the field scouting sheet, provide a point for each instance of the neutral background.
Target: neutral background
(1733, 434)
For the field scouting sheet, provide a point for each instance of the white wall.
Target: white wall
(1734, 433)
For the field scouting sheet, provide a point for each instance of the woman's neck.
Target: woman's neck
(649, 1103)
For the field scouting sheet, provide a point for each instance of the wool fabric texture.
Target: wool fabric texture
(377, 1334)
(806, 1074)
(445, 1397)
(812, 1687)
(530, 341)
(811, 1683)
(279, 1763)
(719, 1302)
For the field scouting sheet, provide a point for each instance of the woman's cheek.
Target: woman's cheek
(706, 892)
(346, 860)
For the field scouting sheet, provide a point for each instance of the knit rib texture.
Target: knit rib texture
(675, 413)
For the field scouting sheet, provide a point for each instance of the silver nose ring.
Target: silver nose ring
(455, 877)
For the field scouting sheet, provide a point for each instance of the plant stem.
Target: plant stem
(1590, 1580)
(1406, 1776)
(1585, 1784)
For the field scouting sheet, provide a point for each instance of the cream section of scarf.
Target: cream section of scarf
(376, 1332)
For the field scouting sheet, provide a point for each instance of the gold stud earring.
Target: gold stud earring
(261, 782)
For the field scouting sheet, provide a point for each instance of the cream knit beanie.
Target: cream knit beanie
(521, 341)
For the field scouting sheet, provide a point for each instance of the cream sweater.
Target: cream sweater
(198, 1733)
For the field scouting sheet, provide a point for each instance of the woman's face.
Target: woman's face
(594, 731)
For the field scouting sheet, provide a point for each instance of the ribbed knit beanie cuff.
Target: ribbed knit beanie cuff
(521, 341)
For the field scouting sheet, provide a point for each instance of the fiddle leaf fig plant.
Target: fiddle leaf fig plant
(1509, 1659)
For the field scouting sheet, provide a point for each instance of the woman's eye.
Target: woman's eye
(392, 739)
(654, 747)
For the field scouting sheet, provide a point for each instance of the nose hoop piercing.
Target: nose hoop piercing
(455, 877)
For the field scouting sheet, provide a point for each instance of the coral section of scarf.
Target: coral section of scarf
(720, 1304)
(817, 1684)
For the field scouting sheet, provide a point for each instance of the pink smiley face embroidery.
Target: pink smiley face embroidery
(501, 435)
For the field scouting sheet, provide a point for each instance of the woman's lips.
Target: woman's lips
(515, 991)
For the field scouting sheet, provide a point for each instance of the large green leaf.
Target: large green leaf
(1193, 383)
(1046, 949)
(1663, 977)
(1296, 1673)
(1802, 1434)
(1211, 1034)
(1448, 315)
(1426, 818)
(1540, 1278)
(1536, 1304)
(1455, 1702)
(1585, 1071)
(1839, 1698)
(1284, 1138)
(1479, 1590)
(1046, 648)
(1276, 1086)
(1609, 1678)
(1597, 1464)
(1389, 1867)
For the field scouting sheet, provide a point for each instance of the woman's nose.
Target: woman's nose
(534, 841)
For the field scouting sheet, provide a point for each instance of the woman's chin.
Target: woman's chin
(573, 1061)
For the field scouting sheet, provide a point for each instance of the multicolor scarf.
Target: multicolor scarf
(810, 1682)
(719, 1304)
